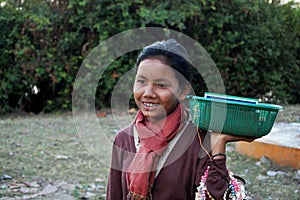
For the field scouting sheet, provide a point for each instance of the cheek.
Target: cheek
(137, 93)
(169, 99)
(172, 94)
(135, 89)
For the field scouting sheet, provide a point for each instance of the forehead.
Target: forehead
(155, 69)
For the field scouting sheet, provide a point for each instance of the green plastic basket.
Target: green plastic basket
(234, 118)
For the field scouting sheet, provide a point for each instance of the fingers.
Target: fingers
(229, 138)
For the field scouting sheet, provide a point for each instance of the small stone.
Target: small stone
(280, 172)
(100, 187)
(25, 190)
(39, 180)
(3, 186)
(297, 175)
(62, 157)
(33, 184)
(89, 195)
(100, 179)
(48, 190)
(92, 187)
(258, 163)
(271, 173)
(14, 186)
(19, 145)
(115, 131)
(264, 159)
(6, 177)
(261, 177)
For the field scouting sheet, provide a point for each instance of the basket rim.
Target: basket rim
(259, 105)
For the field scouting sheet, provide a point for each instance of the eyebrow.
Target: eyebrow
(156, 80)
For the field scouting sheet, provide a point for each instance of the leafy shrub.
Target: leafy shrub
(255, 45)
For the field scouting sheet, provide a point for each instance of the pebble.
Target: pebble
(62, 157)
(3, 186)
(6, 177)
(297, 175)
(274, 173)
(264, 159)
(33, 184)
(48, 190)
(100, 179)
(25, 190)
(89, 195)
(261, 177)
(271, 173)
(39, 180)
(115, 131)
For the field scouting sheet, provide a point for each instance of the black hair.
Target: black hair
(172, 54)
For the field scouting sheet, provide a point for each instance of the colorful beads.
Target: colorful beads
(235, 191)
(236, 188)
(201, 189)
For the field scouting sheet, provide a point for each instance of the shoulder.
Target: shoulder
(191, 129)
(188, 138)
(124, 137)
(126, 131)
(197, 138)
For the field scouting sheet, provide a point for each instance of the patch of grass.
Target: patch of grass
(52, 147)
(46, 146)
(289, 113)
(260, 185)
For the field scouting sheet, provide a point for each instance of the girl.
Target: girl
(158, 156)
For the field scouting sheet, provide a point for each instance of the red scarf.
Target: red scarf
(154, 139)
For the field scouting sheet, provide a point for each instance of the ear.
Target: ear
(185, 91)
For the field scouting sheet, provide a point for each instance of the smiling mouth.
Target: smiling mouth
(151, 105)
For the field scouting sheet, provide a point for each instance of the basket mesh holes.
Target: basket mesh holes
(239, 120)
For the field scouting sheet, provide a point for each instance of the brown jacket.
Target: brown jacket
(178, 179)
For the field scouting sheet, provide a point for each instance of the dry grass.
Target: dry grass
(45, 146)
(290, 113)
(50, 147)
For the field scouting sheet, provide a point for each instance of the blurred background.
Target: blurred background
(255, 45)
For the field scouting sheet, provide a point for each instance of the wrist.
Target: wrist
(218, 156)
(218, 147)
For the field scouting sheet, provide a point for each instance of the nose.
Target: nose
(149, 91)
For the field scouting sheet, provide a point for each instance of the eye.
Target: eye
(161, 85)
(140, 81)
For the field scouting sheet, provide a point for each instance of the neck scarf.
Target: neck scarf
(154, 139)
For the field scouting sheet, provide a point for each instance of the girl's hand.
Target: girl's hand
(218, 141)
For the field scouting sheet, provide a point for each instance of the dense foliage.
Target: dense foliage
(255, 45)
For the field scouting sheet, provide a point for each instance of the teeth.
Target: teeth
(150, 104)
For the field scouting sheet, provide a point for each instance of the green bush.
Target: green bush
(255, 45)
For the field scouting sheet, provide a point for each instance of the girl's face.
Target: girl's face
(156, 89)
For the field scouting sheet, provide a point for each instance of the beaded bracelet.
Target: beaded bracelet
(218, 154)
(235, 190)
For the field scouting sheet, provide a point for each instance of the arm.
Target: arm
(218, 178)
(218, 142)
(114, 186)
(122, 152)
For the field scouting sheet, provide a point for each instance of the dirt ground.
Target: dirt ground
(51, 156)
